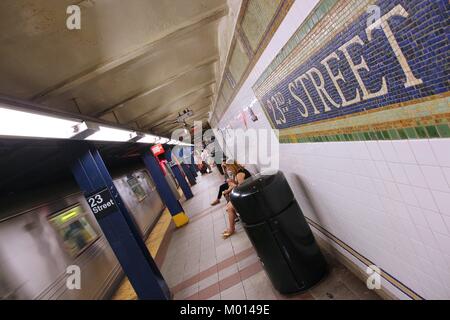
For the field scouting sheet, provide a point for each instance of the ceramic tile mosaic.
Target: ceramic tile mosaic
(349, 75)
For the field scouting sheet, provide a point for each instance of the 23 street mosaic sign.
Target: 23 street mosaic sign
(399, 57)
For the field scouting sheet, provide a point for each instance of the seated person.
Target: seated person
(238, 174)
(224, 186)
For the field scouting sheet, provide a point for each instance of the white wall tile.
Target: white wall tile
(374, 150)
(388, 151)
(384, 170)
(435, 178)
(436, 257)
(447, 175)
(372, 171)
(447, 259)
(435, 221)
(425, 199)
(443, 242)
(418, 217)
(392, 190)
(419, 248)
(388, 205)
(427, 237)
(432, 288)
(443, 201)
(408, 194)
(427, 267)
(359, 150)
(398, 173)
(423, 152)
(364, 183)
(415, 175)
(444, 275)
(380, 188)
(441, 149)
(446, 221)
(404, 152)
(409, 229)
(401, 210)
(359, 167)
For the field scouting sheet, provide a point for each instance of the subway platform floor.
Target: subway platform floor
(200, 264)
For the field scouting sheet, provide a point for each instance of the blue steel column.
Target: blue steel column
(193, 169)
(180, 177)
(186, 167)
(120, 230)
(164, 190)
(188, 173)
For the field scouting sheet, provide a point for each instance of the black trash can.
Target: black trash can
(279, 232)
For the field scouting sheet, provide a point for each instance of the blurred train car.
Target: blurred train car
(39, 243)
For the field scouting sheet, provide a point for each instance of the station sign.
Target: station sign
(101, 203)
(157, 149)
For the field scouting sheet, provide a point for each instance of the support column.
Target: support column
(174, 206)
(179, 176)
(188, 173)
(193, 169)
(118, 226)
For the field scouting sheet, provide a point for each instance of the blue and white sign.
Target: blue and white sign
(401, 56)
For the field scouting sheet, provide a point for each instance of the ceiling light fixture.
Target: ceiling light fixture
(26, 124)
(111, 134)
(83, 130)
(162, 140)
(148, 138)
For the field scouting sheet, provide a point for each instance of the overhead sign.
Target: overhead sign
(157, 149)
(102, 203)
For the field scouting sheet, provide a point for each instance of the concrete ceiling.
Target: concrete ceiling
(134, 62)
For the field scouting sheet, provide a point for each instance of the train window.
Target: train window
(74, 228)
(137, 188)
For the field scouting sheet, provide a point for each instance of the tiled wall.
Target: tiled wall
(386, 199)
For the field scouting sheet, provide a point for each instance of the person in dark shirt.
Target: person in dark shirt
(238, 174)
(223, 186)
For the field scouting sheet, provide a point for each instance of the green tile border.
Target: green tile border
(421, 132)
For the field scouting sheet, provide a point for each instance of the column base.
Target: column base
(180, 219)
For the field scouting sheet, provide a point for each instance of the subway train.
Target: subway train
(38, 243)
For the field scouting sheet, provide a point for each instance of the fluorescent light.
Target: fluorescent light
(148, 138)
(172, 142)
(110, 134)
(83, 130)
(162, 140)
(27, 124)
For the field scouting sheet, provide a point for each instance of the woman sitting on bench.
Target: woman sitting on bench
(237, 174)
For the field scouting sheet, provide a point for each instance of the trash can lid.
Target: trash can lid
(255, 183)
